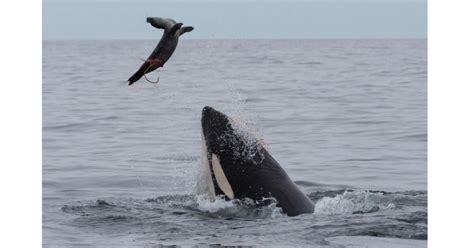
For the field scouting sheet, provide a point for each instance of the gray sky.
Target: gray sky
(125, 19)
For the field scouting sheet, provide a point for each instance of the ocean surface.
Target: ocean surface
(345, 118)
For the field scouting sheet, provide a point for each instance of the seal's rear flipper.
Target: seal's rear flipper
(185, 30)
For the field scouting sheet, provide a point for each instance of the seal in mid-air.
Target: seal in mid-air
(239, 169)
(165, 47)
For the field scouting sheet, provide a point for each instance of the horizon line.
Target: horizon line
(206, 39)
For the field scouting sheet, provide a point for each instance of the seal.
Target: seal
(164, 49)
(239, 167)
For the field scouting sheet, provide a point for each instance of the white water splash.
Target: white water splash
(245, 208)
(243, 125)
(358, 201)
(212, 205)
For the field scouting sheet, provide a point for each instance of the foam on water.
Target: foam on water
(245, 208)
(350, 202)
(187, 219)
(207, 204)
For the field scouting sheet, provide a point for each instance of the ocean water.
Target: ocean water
(345, 118)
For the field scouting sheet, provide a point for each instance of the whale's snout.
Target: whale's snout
(214, 123)
(207, 116)
(210, 115)
(206, 110)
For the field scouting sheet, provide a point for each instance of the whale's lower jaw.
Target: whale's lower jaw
(204, 183)
(212, 175)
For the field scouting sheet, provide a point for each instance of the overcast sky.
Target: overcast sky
(125, 19)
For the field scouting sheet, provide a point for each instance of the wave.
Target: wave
(328, 204)
(189, 218)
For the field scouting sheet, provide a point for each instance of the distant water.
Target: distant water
(345, 118)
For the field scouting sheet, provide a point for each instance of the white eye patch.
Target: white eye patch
(221, 179)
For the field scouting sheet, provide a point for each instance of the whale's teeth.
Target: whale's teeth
(221, 179)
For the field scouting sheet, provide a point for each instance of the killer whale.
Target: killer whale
(164, 49)
(238, 167)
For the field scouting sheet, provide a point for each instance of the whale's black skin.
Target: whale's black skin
(165, 47)
(255, 176)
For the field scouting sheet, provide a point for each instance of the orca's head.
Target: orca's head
(237, 166)
(232, 155)
(215, 127)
